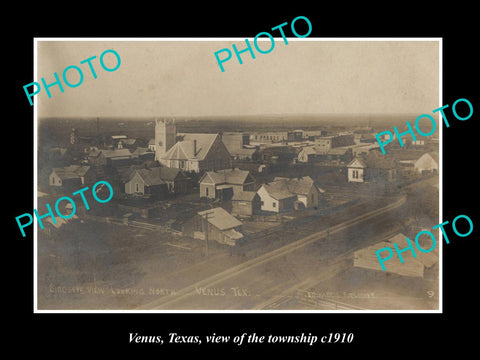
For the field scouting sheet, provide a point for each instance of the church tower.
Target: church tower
(165, 137)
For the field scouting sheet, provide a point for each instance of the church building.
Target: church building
(188, 151)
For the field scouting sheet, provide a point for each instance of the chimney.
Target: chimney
(195, 147)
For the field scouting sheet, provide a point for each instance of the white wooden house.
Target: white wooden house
(356, 171)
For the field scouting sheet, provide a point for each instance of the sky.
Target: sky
(182, 78)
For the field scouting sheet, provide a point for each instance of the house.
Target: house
(427, 163)
(116, 157)
(177, 181)
(94, 156)
(307, 192)
(276, 197)
(366, 258)
(217, 224)
(284, 194)
(245, 203)
(214, 182)
(189, 152)
(157, 181)
(356, 170)
(146, 182)
(72, 176)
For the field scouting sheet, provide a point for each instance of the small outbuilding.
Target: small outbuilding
(245, 203)
(217, 224)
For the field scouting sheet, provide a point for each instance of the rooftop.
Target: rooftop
(220, 218)
(191, 146)
(229, 176)
(71, 172)
(283, 188)
(244, 196)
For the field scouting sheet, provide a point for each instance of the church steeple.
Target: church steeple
(165, 136)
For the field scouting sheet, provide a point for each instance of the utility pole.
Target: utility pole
(206, 231)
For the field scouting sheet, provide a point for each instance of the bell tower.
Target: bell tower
(165, 137)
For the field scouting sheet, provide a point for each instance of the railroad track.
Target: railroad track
(211, 281)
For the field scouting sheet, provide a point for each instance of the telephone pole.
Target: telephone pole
(206, 231)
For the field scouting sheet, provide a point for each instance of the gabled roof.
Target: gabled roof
(71, 172)
(244, 196)
(309, 150)
(278, 190)
(227, 176)
(157, 175)
(117, 153)
(149, 177)
(283, 188)
(184, 149)
(432, 154)
(301, 186)
(220, 218)
(358, 163)
(125, 174)
(232, 142)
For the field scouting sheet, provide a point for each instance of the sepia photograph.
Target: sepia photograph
(298, 180)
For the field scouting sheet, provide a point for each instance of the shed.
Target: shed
(222, 227)
(245, 203)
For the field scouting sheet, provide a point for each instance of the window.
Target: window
(136, 187)
(182, 164)
(274, 204)
(53, 179)
(206, 191)
(355, 174)
(262, 203)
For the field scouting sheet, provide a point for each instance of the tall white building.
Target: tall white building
(165, 137)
